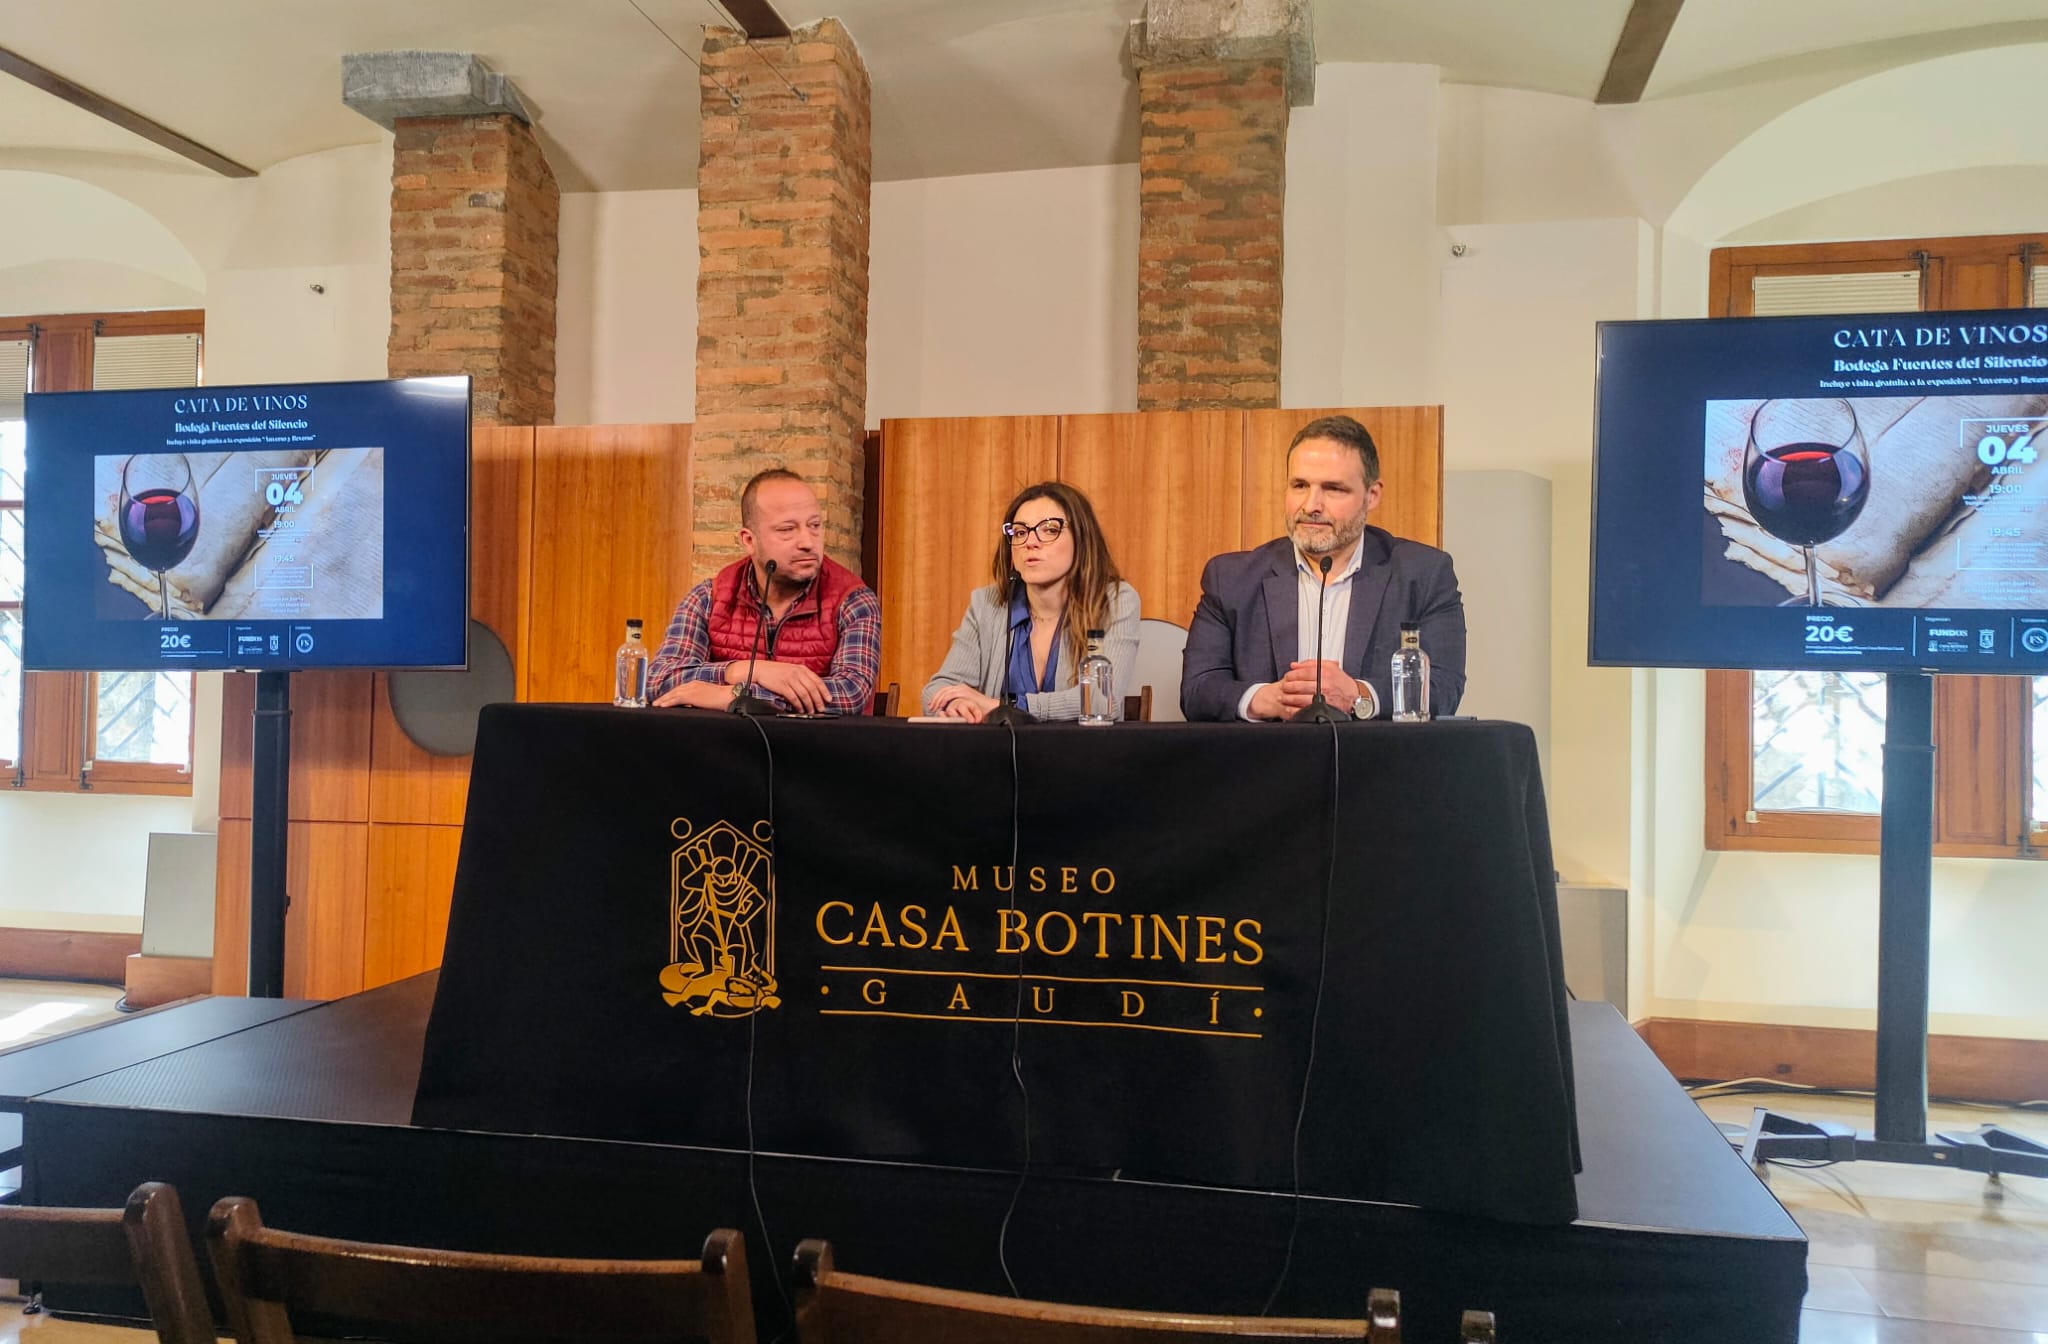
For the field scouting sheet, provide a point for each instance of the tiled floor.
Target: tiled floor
(1897, 1255)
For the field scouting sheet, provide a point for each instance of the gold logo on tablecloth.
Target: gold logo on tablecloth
(721, 927)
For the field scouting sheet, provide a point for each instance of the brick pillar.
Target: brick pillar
(474, 211)
(782, 285)
(1215, 80)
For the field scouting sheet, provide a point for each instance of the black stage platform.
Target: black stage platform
(1677, 1240)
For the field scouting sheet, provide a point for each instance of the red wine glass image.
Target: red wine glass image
(159, 516)
(1806, 477)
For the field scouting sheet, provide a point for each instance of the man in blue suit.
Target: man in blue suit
(1251, 651)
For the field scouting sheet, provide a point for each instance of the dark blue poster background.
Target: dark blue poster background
(358, 558)
(1899, 445)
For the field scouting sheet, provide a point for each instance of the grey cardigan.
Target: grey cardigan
(977, 655)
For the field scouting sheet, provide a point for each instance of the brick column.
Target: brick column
(1215, 79)
(782, 285)
(474, 212)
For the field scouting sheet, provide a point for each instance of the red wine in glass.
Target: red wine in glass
(1805, 476)
(1805, 492)
(159, 526)
(159, 516)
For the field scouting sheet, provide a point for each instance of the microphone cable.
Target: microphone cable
(753, 1183)
(1315, 1022)
(1016, 1019)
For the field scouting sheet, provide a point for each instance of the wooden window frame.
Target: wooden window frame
(58, 707)
(1979, 792)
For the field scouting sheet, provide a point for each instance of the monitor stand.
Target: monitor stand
(1904, 916)
(270, 767)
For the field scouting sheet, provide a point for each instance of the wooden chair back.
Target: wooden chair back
(887, 700)
(836, 1308)
(1138, 708)
(268, 1276)
(144, 1244)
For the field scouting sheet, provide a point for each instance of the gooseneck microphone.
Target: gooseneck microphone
(1319, 710)
(744, 701)
(1008, 711)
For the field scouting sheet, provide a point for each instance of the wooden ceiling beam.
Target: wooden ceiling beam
(756, 18)
(106, 109)
(1636, 52)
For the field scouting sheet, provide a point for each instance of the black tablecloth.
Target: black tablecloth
(624, 960)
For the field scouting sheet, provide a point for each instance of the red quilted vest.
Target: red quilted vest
(807, 634)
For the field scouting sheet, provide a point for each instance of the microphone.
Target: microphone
(1008, 711)
(1318, 710)
(744, 701)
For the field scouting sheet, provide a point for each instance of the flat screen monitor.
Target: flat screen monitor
(275, 528)
(1853, 493)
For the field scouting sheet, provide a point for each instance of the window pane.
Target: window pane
(10, 685)
(13, 457)
(2041, 751)
(144, 717)
(1817, 741)
(10, 555)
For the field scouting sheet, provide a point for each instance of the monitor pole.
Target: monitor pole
(270, 785)
(1905, 905)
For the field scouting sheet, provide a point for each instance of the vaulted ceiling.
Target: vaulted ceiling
(961, 86)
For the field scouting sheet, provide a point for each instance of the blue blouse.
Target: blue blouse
(1019, 682)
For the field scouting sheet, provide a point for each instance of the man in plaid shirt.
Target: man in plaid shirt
(819, 630)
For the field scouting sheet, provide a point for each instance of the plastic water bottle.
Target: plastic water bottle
(629, 689)
(1098, 684)
(1411, 676)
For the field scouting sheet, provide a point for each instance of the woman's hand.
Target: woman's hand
(962, 702)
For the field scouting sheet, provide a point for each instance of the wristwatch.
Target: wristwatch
(1367, 705)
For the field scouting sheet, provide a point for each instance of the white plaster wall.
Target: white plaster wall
(1004, 294)
(626, 309)
(1363, 245)
(77, 861)
(1519, 309)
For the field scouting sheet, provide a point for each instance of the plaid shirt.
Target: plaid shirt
(685, 652)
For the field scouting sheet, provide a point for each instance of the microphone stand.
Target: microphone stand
(1319, 710)
(1008, 711)
(744, 701)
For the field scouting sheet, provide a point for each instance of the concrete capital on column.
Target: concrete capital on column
(387, 85)
(1173, 31)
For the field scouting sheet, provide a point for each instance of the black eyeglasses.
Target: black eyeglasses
(1047, 530)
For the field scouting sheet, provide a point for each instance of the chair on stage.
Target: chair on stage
(268, 1276)
(887, 699)
(1157, 675)
(144, 1244)
(837, 1308)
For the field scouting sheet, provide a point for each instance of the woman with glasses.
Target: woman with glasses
(1054, 582)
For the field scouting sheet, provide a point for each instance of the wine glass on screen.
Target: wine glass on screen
(1805, 476)
(159, 516)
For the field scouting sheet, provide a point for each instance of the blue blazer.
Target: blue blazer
(1246, 628)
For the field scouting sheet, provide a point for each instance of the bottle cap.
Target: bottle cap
(633, 624)
(1414, 626)
(1095, 634)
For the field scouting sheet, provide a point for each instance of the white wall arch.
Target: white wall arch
(1977, 109)
(69, 245)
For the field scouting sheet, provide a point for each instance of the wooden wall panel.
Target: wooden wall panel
(1166, 486)
(411, 875)
(1410, 443)
(330, 774)
(325, 868)
(231, 907)
(944, 485)
(610, 540)
(406, 783)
